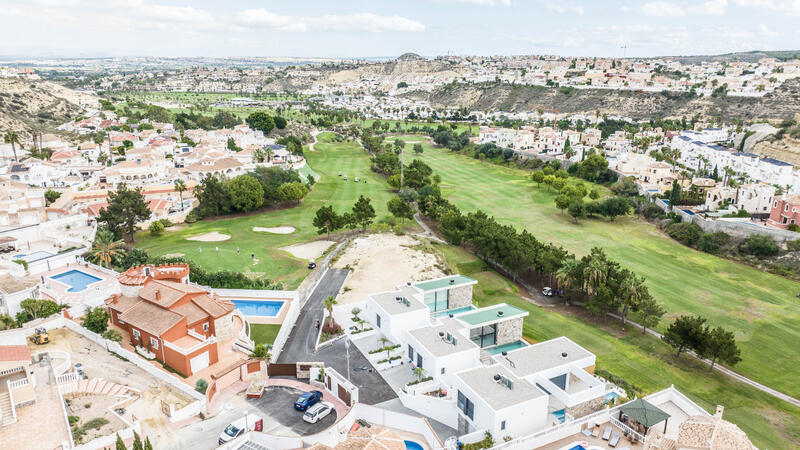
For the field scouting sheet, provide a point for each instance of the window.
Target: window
(442, 370)
(484, 336)
(136, 334)
(419, 360)
(410, 352)
(503, 425)
(205, 326)
(154, 343)
(438, 301)
(466, 406)
(378, 320)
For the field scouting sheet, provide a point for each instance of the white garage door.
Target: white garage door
(199, 362)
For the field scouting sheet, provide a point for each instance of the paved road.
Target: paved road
(300, 344)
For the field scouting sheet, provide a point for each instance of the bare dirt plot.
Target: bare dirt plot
(381, 262)
(286, 229)
(214, 236)
(90, 407)
(311, 250)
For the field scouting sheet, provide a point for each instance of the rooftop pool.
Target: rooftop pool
(454, 312)
(261, 308)
(35, 256)
(77, 280)
(506, 347)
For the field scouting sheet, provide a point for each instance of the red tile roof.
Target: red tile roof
(15, 353)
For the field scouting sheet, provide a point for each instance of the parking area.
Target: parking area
(276, 407)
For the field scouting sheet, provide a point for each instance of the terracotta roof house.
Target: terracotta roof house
(15, 362)
(168, 319)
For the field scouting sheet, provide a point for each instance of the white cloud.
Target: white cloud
(481, 2)
(767, 31)
(780, 6)
(368, 22)
(676, 9)
(261, 18)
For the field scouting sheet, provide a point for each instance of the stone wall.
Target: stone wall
(223, 327)
(586, 408)
(509, 331)
(460, 296)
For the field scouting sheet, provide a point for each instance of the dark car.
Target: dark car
(307, 399)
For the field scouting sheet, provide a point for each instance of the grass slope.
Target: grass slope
(276, 264)
(263, 333)
(761, 308)
(645, 361)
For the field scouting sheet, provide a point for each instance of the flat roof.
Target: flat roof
(491, 314)
(388, 300)
(497, 395)
(444, 282)
(437, 345)
(543, 356)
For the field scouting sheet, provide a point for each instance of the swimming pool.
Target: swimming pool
(612, 396)
(453, 311)
(506, 347)
(77, 281)
(411, 445)
(35, 256)
(263, 308)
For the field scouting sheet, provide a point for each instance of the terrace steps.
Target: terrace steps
(99, 386)
(486, 358)
(6, 410)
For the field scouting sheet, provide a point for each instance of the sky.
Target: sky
(388, 28)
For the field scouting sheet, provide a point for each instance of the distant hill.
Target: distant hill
(26, 104)
(410, 57)
(751, 56)
(782, 104)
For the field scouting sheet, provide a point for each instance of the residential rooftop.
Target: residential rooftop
(491, 314)
(543, 356)
(445, 282)
(498, 395)
(438, 345)
(389, 303)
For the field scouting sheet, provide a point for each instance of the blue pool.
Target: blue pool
(411, 445)
(612, 396)
(263, 308)
(35, 256)
(506, 347)
(453, 311)
(77, 280)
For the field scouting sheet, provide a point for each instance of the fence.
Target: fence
(286, 328)
(56, 261)
(109, 440)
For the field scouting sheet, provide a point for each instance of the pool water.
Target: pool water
(77, 280)
(263, 308)
(506, 347)
(559, 415)
(35, 256)
(456, 311)
(411, 445)
(612, 396)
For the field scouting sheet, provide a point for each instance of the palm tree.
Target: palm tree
(633, 291)
(385, 345)
(419, 372)
(564, 274)
(329, 302)
(106, 250)
(12, 138)
(594, 274)
(180, 186)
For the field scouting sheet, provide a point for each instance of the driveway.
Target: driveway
(276, 407)
(300, 345)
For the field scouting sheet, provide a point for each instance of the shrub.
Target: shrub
(97, 423)
(201, 385)
(156, 228)
(685, 233)
(652, 211)
(331, 328)
(260, 351)
(96, 319)
(793, 246)
(713, 242)
(760, 246)
(113, 335)
(166, 222)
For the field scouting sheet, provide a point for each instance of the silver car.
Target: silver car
(317, 412)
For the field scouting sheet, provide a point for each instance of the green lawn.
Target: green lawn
(277, 264)
(761, 308)
(263, 334)
(645, 361)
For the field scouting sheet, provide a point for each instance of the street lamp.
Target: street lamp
(347, 351)
(245, 422)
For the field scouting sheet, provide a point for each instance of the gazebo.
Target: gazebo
(644, 414)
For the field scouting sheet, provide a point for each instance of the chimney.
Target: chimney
(158, 294)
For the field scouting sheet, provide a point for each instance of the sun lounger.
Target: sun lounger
(614, 440)
(587, 432)
(607, 433)
(596, 431)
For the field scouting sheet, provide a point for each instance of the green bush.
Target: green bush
(685, 233)
(760, 246)
(201, 385)
(793, 246)
(95, 423)
(713, 242)
(156, 228)
(113, 335)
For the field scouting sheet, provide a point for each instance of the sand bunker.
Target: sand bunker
(277, 230)
(381, 262)
(214, 236)
(311, 250)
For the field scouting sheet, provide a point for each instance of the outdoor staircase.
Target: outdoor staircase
(6, 410)
(99, 386)
(486, 358)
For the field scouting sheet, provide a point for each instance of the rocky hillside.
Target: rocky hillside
(781, 104)
(26, 105)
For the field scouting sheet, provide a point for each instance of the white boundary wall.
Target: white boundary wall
(286, 328)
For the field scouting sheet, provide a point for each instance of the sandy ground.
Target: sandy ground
(89, 407)
(174, 255)
(311, 250)
(381, 262)
(99, 363)
(277, 230)
(214, 236)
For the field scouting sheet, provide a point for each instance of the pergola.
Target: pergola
(644, 413)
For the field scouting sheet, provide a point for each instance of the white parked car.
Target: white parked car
(547, 292)
(317, 412)
(240, 426)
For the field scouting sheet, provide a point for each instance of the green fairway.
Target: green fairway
(761, 308)
(644, 361)
(263, 334)
(276, 264)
